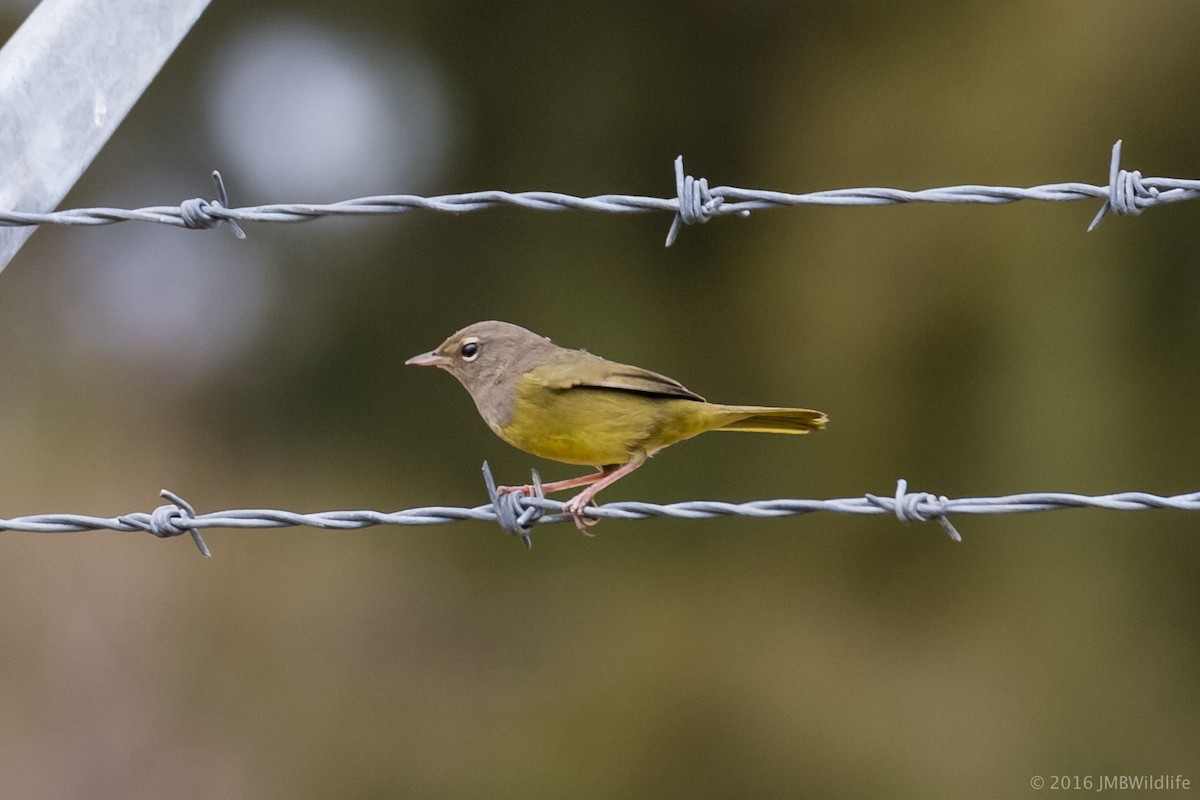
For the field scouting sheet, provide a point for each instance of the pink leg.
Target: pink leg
(556, 486)
(576, 505)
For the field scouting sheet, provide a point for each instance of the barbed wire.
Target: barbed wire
(1127, 193)
(518, 514)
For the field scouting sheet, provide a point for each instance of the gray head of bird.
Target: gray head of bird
(488, 356)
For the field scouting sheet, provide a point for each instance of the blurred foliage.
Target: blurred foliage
(970, 350)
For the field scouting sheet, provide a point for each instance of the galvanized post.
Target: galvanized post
(68, 76)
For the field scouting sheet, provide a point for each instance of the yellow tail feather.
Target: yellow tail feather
(773, 420)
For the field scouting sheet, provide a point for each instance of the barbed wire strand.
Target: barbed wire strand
(1127, 193)
(517, 514)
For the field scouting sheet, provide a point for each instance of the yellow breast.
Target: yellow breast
(594, 426)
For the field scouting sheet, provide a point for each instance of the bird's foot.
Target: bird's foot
(576, 506)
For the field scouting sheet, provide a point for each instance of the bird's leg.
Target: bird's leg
(555, 486)
(610, 475)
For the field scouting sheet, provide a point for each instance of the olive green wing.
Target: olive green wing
(579, 369)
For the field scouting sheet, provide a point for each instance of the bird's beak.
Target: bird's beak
(430, 359)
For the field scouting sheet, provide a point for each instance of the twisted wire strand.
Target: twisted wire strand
(518, 514)
(1127, 193)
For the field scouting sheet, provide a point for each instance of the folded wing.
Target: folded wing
(598, 373)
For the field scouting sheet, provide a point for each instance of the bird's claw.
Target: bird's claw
(576, 507)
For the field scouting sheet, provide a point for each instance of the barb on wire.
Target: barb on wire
(514, 518)
(199, 214)
(694, 202)
(165, 521)
(520, 513)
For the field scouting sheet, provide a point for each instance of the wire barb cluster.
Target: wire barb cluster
(1127, 193)
(517, 513)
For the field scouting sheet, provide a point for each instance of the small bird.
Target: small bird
(577, 408)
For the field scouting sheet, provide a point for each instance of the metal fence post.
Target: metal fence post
(68, 77)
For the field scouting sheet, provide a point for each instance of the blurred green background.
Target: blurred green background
(971, 350)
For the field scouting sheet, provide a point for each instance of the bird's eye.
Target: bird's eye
(469, 350)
